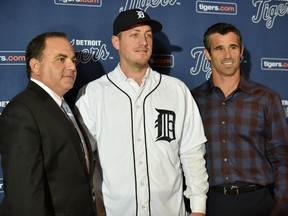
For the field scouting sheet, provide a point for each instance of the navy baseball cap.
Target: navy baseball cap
(126, 19)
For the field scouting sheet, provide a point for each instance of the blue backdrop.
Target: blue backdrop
(178, 49)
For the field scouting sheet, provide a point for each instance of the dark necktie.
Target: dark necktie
(71, 117)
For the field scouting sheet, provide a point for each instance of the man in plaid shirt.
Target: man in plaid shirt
(247, 147)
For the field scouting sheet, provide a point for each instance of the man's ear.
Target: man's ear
(115, 42)
(242, 50)
(207, 54)
(34, 65)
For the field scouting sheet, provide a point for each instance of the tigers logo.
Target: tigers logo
(1, 186)
(285, 107)
(215, 7)
(94, 50)
(286, 112)
(144, 5)
(166, 125)
(274, 64)
(12, 57)
(87, 3)
(140, 14)
(268, 12)
(161, 61)
(201, 62)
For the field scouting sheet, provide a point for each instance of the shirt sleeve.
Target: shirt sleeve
(277, 149)
(192, 157)
(84, 114)
(196, 177)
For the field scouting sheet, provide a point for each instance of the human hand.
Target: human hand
(196, 214)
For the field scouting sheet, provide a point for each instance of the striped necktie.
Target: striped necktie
(71, 117)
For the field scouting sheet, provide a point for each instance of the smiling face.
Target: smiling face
(225, 54)
(57, 66)
(134, 46)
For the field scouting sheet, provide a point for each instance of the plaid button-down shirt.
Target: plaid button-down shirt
(247, 135)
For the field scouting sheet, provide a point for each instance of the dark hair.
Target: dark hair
(221, 28)
(37, 45)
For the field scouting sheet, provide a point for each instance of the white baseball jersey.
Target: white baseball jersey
(143, 135)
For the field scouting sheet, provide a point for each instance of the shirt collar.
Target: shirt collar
(55, 97)
(146, 76)
(244, 85)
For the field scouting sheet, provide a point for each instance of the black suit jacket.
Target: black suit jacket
(43, 164)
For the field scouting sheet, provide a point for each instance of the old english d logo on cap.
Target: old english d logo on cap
(126, 19)
(140, 14)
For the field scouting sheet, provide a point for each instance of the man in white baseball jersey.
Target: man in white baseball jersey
(146, 128)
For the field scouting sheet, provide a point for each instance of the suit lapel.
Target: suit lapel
(64, 122)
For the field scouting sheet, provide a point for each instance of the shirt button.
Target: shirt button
(223, 103)
(223, 141)
(225, 160)
(139, 139)
(138, 106)
(223, 122)
(143, 206)
(140, 162)
(227, 178)
(142, 183)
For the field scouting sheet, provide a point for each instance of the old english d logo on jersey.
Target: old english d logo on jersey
(166, 125)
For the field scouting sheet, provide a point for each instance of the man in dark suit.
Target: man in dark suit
(44, 167)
